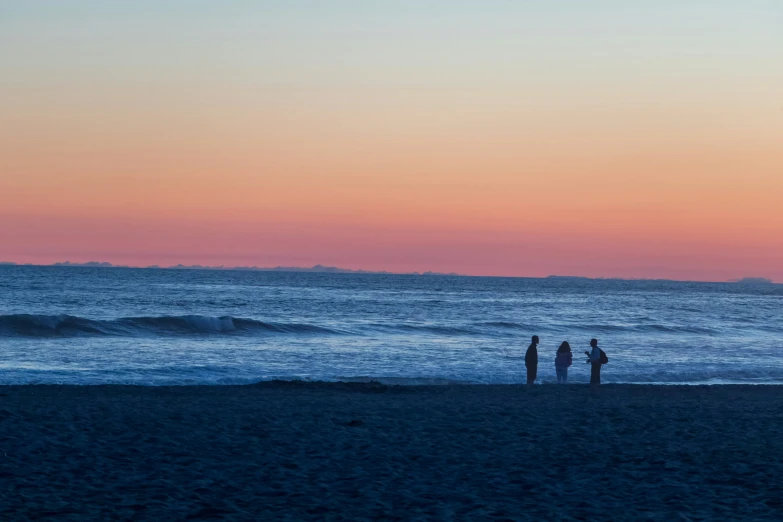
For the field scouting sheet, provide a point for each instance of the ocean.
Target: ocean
(79, 325)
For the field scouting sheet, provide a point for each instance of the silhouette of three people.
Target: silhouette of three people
(563, 359)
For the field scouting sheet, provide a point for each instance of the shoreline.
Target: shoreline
(359, 451)
(393, 383)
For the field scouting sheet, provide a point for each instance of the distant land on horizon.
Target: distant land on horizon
(315, 268)
(337, 270)
(754, 280)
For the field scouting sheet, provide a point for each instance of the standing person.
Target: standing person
(596, 357)
(531, 360)
(563, 360)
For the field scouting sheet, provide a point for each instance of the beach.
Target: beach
(328, 451)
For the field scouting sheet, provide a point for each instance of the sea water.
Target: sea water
(163, 326)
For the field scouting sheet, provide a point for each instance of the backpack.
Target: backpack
(604, 358)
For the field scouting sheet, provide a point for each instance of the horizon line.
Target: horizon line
(319, 268)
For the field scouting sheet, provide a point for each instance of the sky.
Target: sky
(517, 138)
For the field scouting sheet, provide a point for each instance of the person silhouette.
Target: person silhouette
(595, 358)
(531, 360)
(563, 360)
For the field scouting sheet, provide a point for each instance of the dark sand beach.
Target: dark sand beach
(293, 451)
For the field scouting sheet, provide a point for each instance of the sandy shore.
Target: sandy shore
(337, 451)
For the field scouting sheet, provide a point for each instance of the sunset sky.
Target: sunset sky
(500, 137)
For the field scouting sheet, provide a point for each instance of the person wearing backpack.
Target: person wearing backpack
(596, 357)
(562, 362)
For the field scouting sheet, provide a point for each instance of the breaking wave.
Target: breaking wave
(26, 325)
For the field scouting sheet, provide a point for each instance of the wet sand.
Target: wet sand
(294, 451)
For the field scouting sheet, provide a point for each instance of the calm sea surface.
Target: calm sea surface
(150, 326)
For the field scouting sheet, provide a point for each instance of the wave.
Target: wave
(29, 325)
(639, 328)
(26, 325)
(431, 329)
(507, 325)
